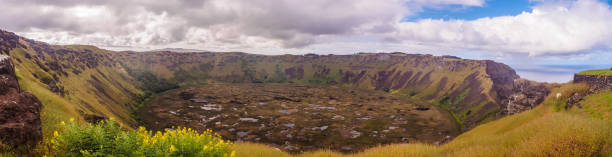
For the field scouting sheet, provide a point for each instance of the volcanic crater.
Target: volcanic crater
(299, 118)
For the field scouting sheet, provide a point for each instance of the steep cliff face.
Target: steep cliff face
(503, 79)
(20, 122)
(525, 95)
(514, 95)
(71, 81)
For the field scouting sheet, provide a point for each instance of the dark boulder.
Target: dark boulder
(20, 123)
(574, 100)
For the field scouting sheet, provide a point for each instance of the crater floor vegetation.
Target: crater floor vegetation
(298, 118)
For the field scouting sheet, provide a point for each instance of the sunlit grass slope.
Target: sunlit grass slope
(547, 130)
(599, 105)
(104, 90)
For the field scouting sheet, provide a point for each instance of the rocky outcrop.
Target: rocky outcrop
(503, 77)
(596, 83)
(525, 95)
(8, 41)
(19, 111)
(601, 80)
(514, 95)
(574, 100)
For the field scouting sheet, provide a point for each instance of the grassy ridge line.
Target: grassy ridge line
(596, 72)
(543, 131)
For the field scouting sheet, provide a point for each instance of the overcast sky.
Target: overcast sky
(521, 33)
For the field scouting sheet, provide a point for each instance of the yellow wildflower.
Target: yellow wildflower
(233, 154)
(71, 120)
(63, 123)
(145, 141)
(55, 134)
(172, 148)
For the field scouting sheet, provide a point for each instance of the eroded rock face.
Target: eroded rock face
(525, 95)
(596, 84)
(19, 111)
(514, 95)
(503, 78)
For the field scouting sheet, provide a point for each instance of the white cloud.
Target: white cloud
(293, 24)
(549, 29)
(455, 2)
(235, 24)
(338, 26)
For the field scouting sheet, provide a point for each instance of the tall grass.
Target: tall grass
(254, 149)
(564, 93)
(598, 105)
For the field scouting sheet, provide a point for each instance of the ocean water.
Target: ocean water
(553, 73)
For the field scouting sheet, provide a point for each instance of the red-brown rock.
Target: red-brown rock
(19, 111)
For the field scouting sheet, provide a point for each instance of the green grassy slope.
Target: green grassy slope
(598, 105)
(596, 72)
(72, 81)
(543, 131)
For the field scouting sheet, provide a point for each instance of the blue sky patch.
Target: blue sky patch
(491, 8)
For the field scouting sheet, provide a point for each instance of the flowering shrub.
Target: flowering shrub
(108, 139)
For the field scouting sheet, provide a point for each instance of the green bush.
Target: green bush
(108, 139)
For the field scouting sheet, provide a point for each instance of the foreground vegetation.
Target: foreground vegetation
(548, 130)
(108, 139)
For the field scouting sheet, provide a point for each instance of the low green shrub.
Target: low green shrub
(6, 151)
(106, 138)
